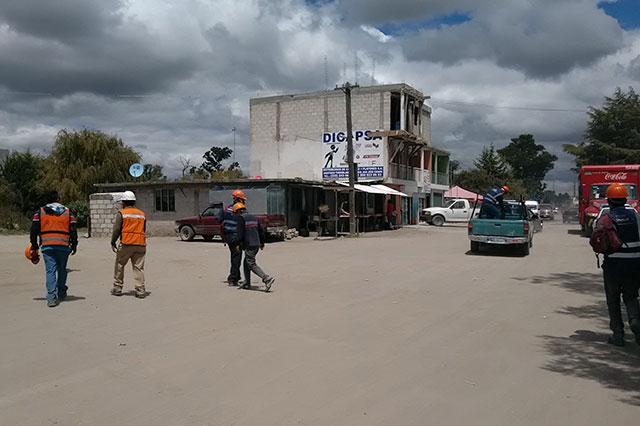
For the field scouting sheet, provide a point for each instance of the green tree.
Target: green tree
(492, 165)
(22, 173)
(528, 162)
(214, 157)
(613, 132)
(80, 159)
(152, 173)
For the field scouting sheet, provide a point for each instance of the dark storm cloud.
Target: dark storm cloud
(82, 46)
(61, 19)
(542, 39)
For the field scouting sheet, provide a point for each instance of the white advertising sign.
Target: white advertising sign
(368, 153)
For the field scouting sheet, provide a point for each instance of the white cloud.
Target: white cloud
(375, 33)
(196, 63)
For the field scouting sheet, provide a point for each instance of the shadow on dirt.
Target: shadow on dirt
(578, 282)
(496, 252)
(585, 354)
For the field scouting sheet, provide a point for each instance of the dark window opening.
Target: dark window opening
(165, 200)
(395, 111)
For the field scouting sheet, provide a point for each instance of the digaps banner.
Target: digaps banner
(368, 152)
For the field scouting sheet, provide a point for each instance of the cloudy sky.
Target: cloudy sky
(173, 77)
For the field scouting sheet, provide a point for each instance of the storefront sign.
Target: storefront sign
(368, 154)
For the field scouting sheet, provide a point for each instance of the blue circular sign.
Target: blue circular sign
(136, 170)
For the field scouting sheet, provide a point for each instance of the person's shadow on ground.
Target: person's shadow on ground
(586, 353)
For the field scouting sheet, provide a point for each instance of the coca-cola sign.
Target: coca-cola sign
(616, 176)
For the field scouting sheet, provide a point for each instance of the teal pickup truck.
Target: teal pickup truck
(514, 230)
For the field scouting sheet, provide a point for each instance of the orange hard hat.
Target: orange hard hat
(238, 206)
(505, 188)
(32, 255)
(238, 195)
(616, 190)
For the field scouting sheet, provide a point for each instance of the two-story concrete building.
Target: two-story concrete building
(304, 136)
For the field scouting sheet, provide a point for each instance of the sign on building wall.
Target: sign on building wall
(368, 152)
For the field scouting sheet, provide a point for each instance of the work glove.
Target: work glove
(73, 250)
(261, 246)
(114, 248)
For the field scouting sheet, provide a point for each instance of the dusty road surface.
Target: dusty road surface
(396, 328)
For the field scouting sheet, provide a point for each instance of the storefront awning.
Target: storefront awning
(375, 189)
(389, 191)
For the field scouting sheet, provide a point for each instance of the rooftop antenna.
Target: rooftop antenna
(355, 67)
(373, 73)
(326, 73)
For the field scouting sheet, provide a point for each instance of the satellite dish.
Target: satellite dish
(136, 170)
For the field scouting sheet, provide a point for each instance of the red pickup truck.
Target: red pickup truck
(208, 224)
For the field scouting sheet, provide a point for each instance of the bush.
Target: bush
(80, 209)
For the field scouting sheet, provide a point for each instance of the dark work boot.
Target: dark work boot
(616, 339)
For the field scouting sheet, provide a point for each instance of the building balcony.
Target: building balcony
(440, 178)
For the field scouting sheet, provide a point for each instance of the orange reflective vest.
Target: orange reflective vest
(132, 227)
(55, 230)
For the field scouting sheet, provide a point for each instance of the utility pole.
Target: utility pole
(233, 129)
(346, 88)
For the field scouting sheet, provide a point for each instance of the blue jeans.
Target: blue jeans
(55, 263)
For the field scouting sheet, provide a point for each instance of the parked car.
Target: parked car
(546, 212)
(455, 211)
(208, 224)
(533, 205)
(536, 222)
(514, 230)
(570, 215)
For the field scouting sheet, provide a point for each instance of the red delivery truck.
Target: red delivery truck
(594, 181)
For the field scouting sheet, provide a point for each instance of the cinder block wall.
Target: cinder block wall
(286, 135)
(103, 208)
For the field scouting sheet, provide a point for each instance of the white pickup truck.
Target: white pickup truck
(455, 211)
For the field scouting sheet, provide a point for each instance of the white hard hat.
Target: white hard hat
(128, 196)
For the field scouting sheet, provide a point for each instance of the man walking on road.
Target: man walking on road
(55, 227)
(129, 227)
(252, 237)
(230, 237)
(621, 269)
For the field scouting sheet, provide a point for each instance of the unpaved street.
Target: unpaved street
(394, 328)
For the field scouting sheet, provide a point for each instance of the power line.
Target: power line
(452, 102)
(519, 108)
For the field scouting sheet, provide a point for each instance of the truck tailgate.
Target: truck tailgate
(498, 227)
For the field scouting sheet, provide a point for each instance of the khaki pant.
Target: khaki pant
(136, 254)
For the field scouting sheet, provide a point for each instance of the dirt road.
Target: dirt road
(394, 328)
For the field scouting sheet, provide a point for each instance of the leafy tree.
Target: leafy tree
(21, 173)
(492, 165)
(80, 159)
(613, 132)
(528, 162)
(152, 173)
(214, 157)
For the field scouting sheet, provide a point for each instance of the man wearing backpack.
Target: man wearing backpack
(621, 267)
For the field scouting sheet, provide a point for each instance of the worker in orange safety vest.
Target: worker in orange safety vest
(129, 227)
(53, 230)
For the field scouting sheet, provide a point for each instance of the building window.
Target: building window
(165, 200)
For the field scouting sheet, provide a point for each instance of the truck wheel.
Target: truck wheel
(475, 246)
(208, 237)
(524, 249)
(187, 233)
(437, 220)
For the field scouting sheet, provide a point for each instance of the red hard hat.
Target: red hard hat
(32, 255)
(239, 195)
(617, 190)
(505, 188)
